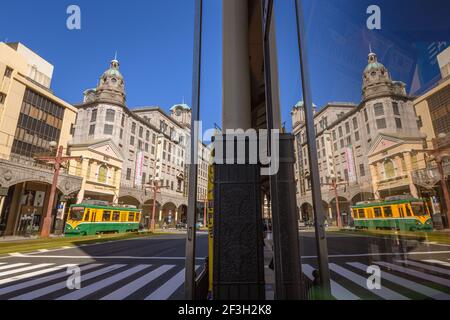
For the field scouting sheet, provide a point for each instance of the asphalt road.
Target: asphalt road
(153, 269)
(408, 269)
(135, 269)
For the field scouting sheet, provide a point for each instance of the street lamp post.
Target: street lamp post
(56, 161)
(335, 187)
(156, 189)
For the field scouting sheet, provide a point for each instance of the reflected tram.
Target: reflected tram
(403, 214)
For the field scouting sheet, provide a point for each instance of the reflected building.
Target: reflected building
(147, 145)
(433, 110)
(365, 150)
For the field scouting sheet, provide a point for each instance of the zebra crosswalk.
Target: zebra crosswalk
(48, 281)
(400, 280)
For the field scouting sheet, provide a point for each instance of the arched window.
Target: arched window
(389, 169)
(102, 174)
(110, 115)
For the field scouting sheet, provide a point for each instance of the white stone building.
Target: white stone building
(368, 149)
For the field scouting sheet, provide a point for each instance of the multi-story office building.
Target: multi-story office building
(433, 110)
(151, 144)
(365, 151)
(31, 117)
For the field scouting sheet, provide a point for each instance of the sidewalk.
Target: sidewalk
(22, 238)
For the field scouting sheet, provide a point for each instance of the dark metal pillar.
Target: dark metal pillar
(238, 230)
(319, 216)
(193, 168)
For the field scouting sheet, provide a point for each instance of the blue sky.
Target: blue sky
(154, 41)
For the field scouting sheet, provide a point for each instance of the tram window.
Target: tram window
(387, 212)
(130, 217)
(106, 215)
(378, 213)
(87, 216)
(362, 214)
(116, 216)
(409, 212)
(76, 213)
(402, 212)
(138, 217)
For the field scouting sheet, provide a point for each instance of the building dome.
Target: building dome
(113, 71)
(182, 106)
(111, 86)
(377, 81)
(373, 63)
(301, 104)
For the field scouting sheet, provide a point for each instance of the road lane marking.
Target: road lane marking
(424, 290)
(10, 266)
(106, 257)
(138, 284)
(168, 289)
(425, 266)
(34, 282)
(15, 254)
(32, 274)
(415, 273)
(42, 265)
(62, 285)
(86, 291)
(43, 250)
(384, 293)
(338, 291)
(387, 254)
(442, 263)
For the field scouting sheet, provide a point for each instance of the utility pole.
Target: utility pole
(335, 188)
(190, 285)
(56, 161)
(154, 186)
(156, 189)
(321, 237)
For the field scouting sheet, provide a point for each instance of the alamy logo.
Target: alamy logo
(374, 20)
(74, 280)
(240, 146)
(74, 20)
(374, 280)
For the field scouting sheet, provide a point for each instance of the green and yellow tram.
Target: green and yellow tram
(403, 214)
(87, 219)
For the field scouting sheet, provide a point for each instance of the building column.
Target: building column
(399, 167)
(409, 168)
(160, 214)
(374, 175)
(80, 196)
(2, 202)
(236, 66)
(176, 216)
(84, 175)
